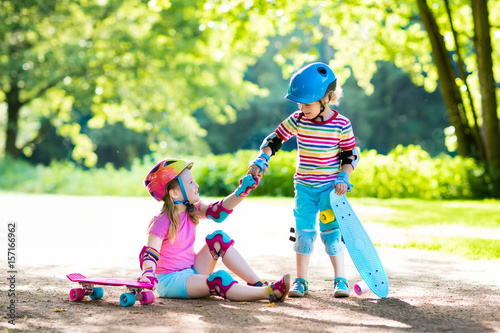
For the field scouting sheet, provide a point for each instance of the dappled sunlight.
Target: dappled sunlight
(422, 284)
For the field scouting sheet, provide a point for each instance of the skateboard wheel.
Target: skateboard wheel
(97, 293)
(76, 294)
(360, 288)
(327, 216)
(127, 299)
(148, 297)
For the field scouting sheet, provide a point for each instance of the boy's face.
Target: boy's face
(310, 110)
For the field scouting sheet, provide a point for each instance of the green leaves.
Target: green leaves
(148, 65)
(157, 65)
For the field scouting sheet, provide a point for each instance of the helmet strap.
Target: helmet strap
(324, 105)
(322, 109)
(184, 201)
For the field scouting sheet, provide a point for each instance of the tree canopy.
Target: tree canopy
(445, 44)
(149, 65)
(77, 66)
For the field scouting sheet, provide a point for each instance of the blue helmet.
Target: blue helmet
(310, 83)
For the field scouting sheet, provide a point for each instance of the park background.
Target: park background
(94, 92)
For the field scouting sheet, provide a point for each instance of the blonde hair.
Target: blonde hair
(338, 93)
(333, 97)
(169, 209)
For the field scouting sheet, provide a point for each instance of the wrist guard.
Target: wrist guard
(152, 278)
(343, 177)
(261, 161)
(247, 184)
(148, 253)
(219, 214)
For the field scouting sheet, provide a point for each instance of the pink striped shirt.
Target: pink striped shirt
(319, 145)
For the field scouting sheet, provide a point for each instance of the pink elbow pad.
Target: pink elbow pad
(219, 214)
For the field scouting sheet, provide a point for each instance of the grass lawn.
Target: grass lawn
(414, 213)
(411, 213)
(468, 247)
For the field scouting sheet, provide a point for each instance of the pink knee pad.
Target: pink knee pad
(223, 239)
(220, 282)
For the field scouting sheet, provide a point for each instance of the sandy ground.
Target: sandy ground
(101, 237)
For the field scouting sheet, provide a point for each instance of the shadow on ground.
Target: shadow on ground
(417, 303)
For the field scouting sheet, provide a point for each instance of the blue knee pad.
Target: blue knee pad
(304, 242)
(333, 242)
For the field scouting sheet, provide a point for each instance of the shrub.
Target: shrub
(406, 172)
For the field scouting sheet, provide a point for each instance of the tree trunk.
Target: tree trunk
(451, 94)
(476, 132)
(483, 50)
(13, 107)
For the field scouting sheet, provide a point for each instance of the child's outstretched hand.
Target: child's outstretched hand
(255, 171)
(259, 166)
(247, 183)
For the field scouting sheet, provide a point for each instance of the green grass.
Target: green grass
(468, 247)
(412, 213)
(406, 213)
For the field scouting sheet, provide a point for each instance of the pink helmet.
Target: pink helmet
(163, 173)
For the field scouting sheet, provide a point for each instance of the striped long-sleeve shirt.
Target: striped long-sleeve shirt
(319, 145)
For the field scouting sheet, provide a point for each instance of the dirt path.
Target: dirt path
(57, 235)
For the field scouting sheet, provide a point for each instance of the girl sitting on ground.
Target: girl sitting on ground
(169, 260)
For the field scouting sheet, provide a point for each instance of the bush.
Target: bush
(406, 172)
(66, 178)
(409, 172)
(220, 174)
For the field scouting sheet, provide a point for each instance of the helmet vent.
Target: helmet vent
(147, 182)
(322, 71)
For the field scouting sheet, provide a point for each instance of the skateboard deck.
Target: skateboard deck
(359, 245)
(136, 289)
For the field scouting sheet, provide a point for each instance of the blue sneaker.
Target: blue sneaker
(300, 288)
(341, 288)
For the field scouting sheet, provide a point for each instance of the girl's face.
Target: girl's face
(190, 186)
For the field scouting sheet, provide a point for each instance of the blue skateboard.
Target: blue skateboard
(359, 246)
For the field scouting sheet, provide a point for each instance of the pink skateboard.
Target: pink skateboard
(136, 289)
